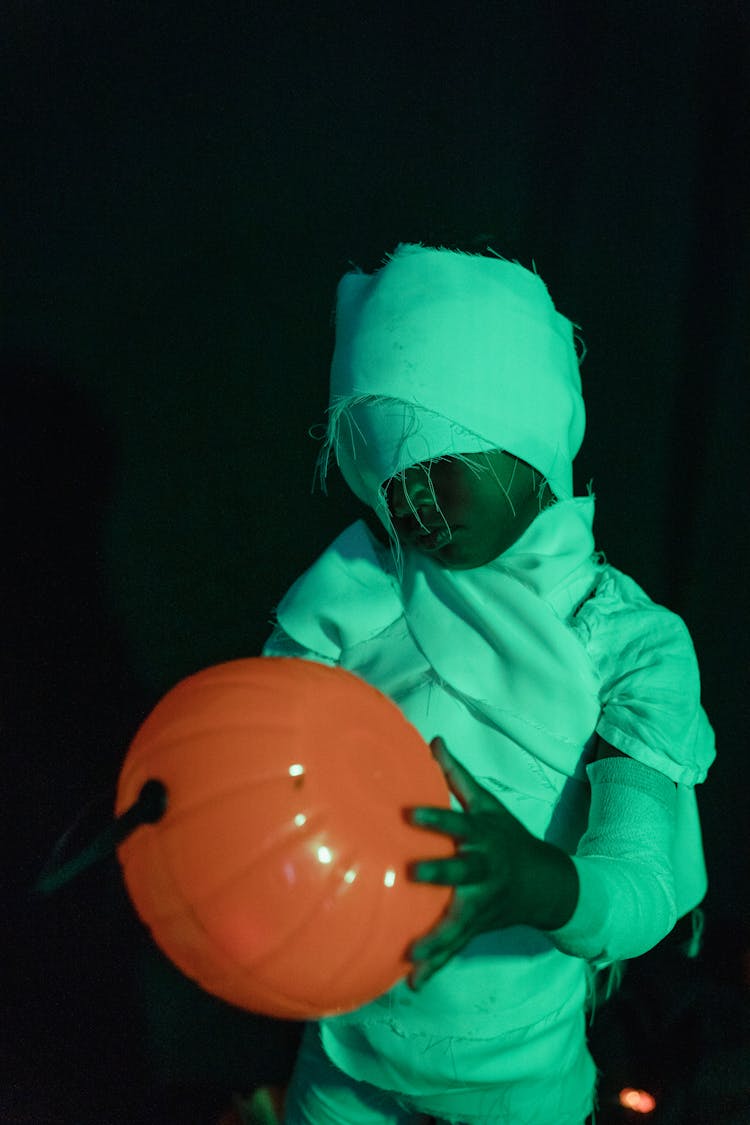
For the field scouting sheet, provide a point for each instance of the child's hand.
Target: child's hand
(500, 872)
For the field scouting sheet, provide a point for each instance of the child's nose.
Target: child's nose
(399, 502)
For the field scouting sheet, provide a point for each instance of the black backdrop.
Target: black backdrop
(183, 188)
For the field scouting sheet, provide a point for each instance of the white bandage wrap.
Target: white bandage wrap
(626, 902)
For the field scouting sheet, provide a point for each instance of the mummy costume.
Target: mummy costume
(518, 665)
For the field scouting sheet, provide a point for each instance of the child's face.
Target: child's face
(486, 512)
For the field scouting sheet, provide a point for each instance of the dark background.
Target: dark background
(183, 187)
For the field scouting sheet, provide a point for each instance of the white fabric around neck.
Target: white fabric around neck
(495, 636)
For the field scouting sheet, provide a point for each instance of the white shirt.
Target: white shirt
(518, 668)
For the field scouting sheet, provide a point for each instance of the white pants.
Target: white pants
(321, 1094)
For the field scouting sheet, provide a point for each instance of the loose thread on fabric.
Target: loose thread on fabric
(340, 414)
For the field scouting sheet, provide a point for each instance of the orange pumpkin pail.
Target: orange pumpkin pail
(277, 876)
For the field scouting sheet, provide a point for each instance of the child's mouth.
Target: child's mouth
(435, 540)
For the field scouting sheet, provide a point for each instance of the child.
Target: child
(567, 703)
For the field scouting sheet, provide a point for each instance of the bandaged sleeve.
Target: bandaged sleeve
(626, 901)
(650, 688)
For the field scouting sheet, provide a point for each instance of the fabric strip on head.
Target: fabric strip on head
(442, 353)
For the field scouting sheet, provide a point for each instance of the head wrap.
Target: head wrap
(441, 353)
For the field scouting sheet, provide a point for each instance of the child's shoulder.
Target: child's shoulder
(344, 597)
(620, 613)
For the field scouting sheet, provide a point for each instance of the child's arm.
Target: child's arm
(627, 900)
(613, 899)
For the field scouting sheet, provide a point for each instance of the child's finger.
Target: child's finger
(461, 782)
(450, 821)
(466, 868)
(422, 973)
(447, 937)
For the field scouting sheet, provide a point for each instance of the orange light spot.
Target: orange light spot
(640, 1101)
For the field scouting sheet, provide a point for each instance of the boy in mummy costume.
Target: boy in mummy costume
(561, 702)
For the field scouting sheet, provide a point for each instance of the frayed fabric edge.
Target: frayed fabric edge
(692, 947)
(478, 252)
(602, 982)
